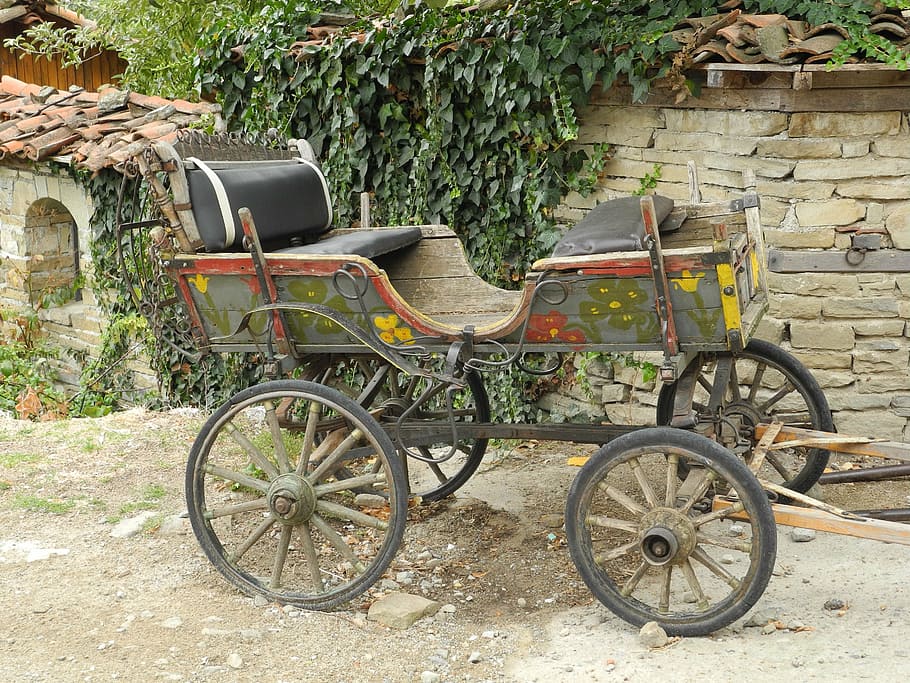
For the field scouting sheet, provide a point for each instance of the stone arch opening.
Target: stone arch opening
(52, 250)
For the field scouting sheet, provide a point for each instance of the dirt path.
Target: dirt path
(83, 605)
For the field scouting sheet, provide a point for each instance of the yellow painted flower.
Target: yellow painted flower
(688, 282)
(390, 332)
(200, 281)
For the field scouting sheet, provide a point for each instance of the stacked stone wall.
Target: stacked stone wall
(821, 176)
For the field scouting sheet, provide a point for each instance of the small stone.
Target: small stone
(795, 625)
(401, 610)
(521, 602)
(768, 628)
(798, 535)
(736, 530)
(689, 598)
(489, 634)
(593, 620)
(652, 635)
(172, 623)
(260, 601)
(757, 619)
(834, 604)
(234, 660)
(553, 521)
(448, 609)
(127, 528)
(474, 657)
(727, 559)
(430, 677)
(175, 525)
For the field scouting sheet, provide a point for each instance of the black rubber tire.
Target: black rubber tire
(655, 445)
(376, 451)
(814, 460)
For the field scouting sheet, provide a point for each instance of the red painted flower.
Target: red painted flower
(547, 327)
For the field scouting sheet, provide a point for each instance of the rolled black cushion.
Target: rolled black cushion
(366, 243)
(287, 200)
(614, 225)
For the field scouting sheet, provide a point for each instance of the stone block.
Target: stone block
(898, 146)
(897, 223)
(830, 212)
(799, 149)
(855, 148)
(821, 336)
(849, 399)
(843, 124)
(730, 123)
(850, 169)
(618, 135)
(738, 146)
(874, 362)
(790, 306)
(860, 307)
(864, 189)
(832, 379)
(903, 284)
(614, 393)
(883, 424)
(771, 329)
(630, 117)
(815, 284)
(788, 190)
(822, 238)
(879, 328)
(629, 414)
(883, 384)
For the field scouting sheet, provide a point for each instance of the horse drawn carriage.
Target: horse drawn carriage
(376, 342)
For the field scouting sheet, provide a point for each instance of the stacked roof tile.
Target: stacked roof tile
(94, 129)
(774, 38)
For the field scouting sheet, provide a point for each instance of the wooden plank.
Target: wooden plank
(839, 443)
(807, 518)
(807, 260)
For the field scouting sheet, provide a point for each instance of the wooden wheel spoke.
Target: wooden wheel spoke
(723, 513)
(773, 458)
(364, 480)
(722, 542)
(281, 452)
(341, 512)
(309, 438)
(312, 558)
(256, 456)
(617, 552)
(694, 585)
(701, 488)
(281, 557)
(756, 381)
(612, 523)
(733, 384)
(622, 499)
(701, 556)
(672, 480)
(664, 604)
(629, 586)
(776, 397)
(643, 483)
(251, 540)
(237, 477)
(236, 508)
(337, 542)
(336, 445)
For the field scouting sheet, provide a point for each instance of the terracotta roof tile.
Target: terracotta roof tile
(36, 124)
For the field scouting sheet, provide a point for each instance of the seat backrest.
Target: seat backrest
(289, 200)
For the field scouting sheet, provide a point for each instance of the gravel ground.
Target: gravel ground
(83, 605)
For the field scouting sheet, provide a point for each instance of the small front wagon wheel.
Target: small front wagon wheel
(266, 505)
(651, 548)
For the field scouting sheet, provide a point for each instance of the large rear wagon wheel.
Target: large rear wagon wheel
(268, 509)
(766, 384)
(650, 547)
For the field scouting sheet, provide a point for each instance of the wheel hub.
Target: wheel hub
(291, 499)
(666, 537)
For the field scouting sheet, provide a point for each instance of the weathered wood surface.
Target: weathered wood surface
(807, 260)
